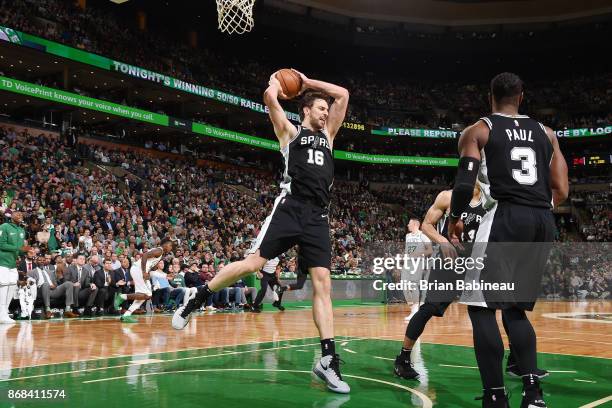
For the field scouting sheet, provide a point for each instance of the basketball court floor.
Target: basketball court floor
(253, 360)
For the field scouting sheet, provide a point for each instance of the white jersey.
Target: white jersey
(415, 243)
(151, 262)
(270, 266)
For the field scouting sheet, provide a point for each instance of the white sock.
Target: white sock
(133, 307)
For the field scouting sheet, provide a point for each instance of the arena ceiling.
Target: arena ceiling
(453, 12)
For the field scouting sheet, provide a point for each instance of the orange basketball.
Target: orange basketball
(291, 83)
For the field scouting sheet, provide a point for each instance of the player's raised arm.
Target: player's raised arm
(558, 171)
(283, 129)
(434, 214)
(337, 110)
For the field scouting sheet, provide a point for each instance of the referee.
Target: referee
(12, 238)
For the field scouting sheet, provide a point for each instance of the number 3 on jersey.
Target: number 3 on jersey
(528, 174)
(315, 157)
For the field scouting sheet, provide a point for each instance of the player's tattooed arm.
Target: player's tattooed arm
(337, 110)
(283, 128)
(558, 171)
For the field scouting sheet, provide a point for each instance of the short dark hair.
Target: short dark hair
(506, 85)
(163, 241)
(308, 100)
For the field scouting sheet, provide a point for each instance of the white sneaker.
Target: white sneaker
(328, 369)
(211, 308)
(179, 322)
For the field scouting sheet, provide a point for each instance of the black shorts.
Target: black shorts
(516, 240)
(296, 222)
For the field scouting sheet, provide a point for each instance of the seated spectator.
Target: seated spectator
(48, 288)
(122, 281)
(85, 291)
(160, 286)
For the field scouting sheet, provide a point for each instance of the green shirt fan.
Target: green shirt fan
(235, 16)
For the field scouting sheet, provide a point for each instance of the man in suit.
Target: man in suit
(48, 288)
(122, 281)
(108, 224)
(85, 291)
(28, 263)
(102, 279)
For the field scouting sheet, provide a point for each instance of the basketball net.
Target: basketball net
(235, 16)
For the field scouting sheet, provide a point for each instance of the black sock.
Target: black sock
(405, 354)
(202, 295)
(207, 289)
(328, 347)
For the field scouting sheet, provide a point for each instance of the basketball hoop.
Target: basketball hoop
(235, 16)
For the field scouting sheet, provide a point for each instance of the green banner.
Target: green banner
(85, 57)
(428, 133)
(405, 160)
(232, 136)
(585, 132)
(69, 98)
(199, 90)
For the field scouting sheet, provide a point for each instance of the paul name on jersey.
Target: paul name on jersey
(520, 134)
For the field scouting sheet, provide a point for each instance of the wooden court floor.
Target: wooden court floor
(102, 361)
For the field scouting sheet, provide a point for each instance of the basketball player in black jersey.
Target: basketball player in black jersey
(519, 161)
(435, 226)
(300, 213)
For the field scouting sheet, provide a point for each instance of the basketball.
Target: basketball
(291, 83)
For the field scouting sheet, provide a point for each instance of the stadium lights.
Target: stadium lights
(119, 1)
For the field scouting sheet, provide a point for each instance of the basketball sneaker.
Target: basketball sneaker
(512, 369)
(278, 305)
(328, 369)
(182, 315)
(128, 319)
(494, 399)
(532, 393)
(403, 369)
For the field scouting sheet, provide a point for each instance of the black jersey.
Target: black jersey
(471, 218)
(309, 167)
(516, 160)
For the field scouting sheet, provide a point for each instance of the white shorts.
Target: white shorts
(140, 286)
(8, 276)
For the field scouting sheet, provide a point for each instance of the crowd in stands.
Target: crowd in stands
(579, 271)
(375, 99)
(598, 212)
(74, 207)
